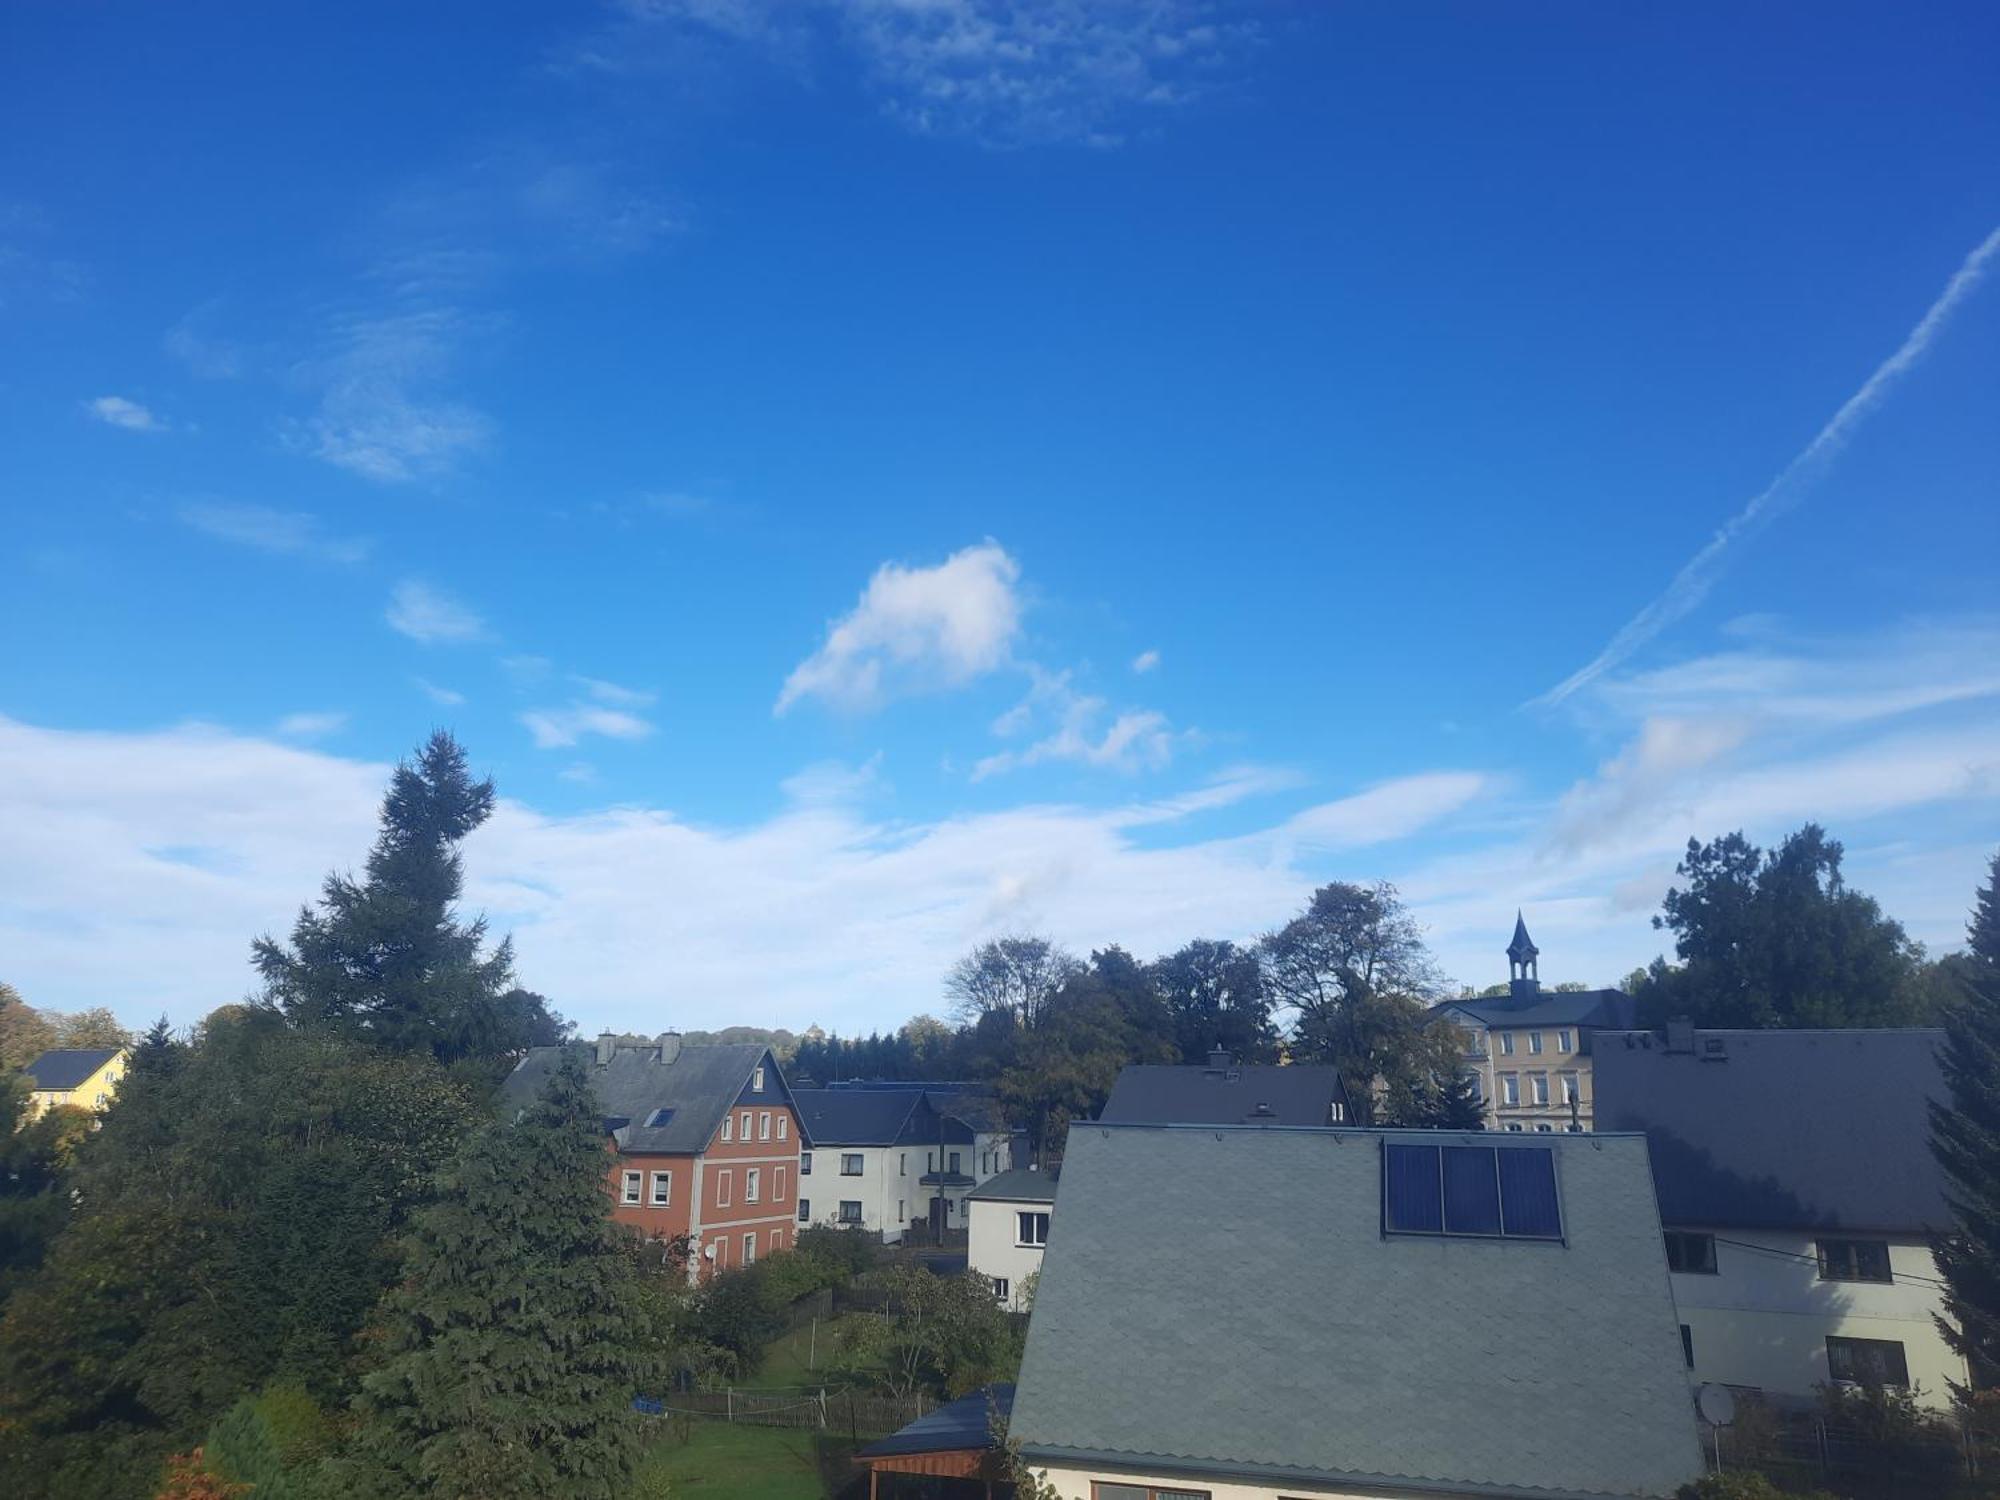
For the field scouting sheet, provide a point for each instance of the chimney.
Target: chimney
(1680, 1035)
(607, 1044)
(1220, 1059)
(669, 1045)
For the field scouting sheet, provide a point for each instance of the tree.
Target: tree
(522, 1329)
(1216, 994)
(1965, 1136)
(386, 957)
(1353, 971)
(25, 1033)
(942, 1335)
(1778, 939)
(1019, 975)
(96, 1027)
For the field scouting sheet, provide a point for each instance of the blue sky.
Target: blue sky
(869, 476)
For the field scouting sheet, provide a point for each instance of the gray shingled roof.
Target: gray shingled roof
(1019, 1185)
(698, 1086)
(854, 1117)
(1552, 1008)
(1219, 1302)
(1147, 1094)
(66, 1067)
(1782, 1129)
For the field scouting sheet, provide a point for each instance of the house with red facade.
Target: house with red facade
(704, 1141)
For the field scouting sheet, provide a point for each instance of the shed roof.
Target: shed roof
(1191, 1095)
(1019, 1185)
(66, 1067)
(1169, 1337)
(957, 1426)
(1782, 1129)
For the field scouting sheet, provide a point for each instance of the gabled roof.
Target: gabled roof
(854, 1117)
(1191, 1095)
(66, 1067)
(700, 1085)
(1019, 1185)
(1223, 1302)
(1782, 1129)
(1602, 1008)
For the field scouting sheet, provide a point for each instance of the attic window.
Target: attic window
(757, 1080)
(658, 1118)
(1482, 1191)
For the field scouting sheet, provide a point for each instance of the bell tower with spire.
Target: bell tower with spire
(1522, 975)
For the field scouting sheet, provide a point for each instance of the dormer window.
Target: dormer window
(757, 1080)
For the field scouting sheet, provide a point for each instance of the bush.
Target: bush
(844, 1253)
(272, 1442)
(1742, 1484)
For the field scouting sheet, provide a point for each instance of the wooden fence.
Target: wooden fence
(856, 1413)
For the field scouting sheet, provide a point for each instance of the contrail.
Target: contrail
(1695, 578)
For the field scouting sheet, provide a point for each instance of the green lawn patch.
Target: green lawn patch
(798, 1360)
(737, 1460)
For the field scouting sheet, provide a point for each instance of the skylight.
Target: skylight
(659, 1117)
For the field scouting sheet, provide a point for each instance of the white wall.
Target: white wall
(1763, 1318)
(993, 1247)
(1074, 1484)
(880, 1189)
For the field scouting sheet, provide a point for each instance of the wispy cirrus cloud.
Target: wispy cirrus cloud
(1082, 729)
(444, 697)
(204, 354)
(268, 529)
(606, 709)
(1145, 661)
(1698, 575)
(385, 409)
(311, 726)
(118, 411)
(915, 629)
(432, 617)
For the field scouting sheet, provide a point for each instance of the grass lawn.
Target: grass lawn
(738, 1460)
(785, 1360)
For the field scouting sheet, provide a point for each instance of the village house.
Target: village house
(1799, 1195)
(883, 1156)
(1008, 1227)
(80, 1077)
(704, 1142)
(1231, 1313)
(1225, 1092)
(1530, 1050)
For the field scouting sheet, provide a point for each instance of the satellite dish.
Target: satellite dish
(1716, 1404)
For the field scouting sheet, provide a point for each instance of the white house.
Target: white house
(885, 1157)
(1798, 1195)
(1009, 1217)
(1260, 1313)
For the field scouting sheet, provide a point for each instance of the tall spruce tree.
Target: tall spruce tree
(522, 1329)
(387, 955)
(1965, 1135)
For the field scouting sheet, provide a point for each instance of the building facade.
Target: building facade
(79, 1077)
(1008, 1220)
(1798, 1197)
(890, 1157)
(1530, 1050)
(704, 1143)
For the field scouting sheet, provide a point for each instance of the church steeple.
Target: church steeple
(1523, 977)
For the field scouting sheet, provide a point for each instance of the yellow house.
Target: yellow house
(85, 1077)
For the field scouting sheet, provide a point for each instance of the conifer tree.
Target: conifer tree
(387, 955)
(522, 1329)
(1965, 1135)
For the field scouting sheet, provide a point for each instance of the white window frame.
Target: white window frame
(750, 1247)
(746, 1125)
(1510, 1089)
(724, 1187)
(663, 1190)
(757, 1080)
(1535, 1043)
(729, 1127)
(764, 1125)
(777, 1184)
(1026, 1222)
(1564, 1041)
(1506, 1044)
(631, 1188)
(860, 1164)
(753, 1185)
(1000, 1288)
(784, 1127)
(1572, 1087)
(1538, 1089)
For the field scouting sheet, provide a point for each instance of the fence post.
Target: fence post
(1825, 1458)
(729, 1403)
(822, 1408)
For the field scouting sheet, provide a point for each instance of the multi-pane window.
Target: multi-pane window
(805, 1210)
(729, 1127)
(743, 1129)
(757, 1080)
(753, 1185)
(1506, 1044)
(784, 1127)
(1689, 1253)
(663, 1189)
(1032, 1229)
(1538, 1087)
(1564, 1042)
(1000, 1288)
(850, 1164)
(1854, 1260)
(764, 1125)
(1102, 1491)
(1867, 1361)
(805, 1164)
(1572, 1088)
(850, 1211)
(628, 1188)
(1534, 1041)
(750, 1248)
(1470, 1190)
(1510, 1088)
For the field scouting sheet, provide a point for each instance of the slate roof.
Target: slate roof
(1583, 1008)
(699, 1085)
(1019, 1185)
(1782, 1129)
(1191, 1095)
(955, 1427)
(1222, 1302)
(66, 1067)
(854, 1117)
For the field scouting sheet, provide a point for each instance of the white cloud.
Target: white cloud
(311, 726)
(1698, 575)
(1132, 739)
(116, 411)
(558, 728)
(428, 615)
(383, 411)
(207, 357)
(443, 696)
(270, 530)
(914, 630)
(1145, 662)
(612, 693)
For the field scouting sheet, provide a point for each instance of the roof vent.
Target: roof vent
(1680, 1036)
(1263, 1111)
(1715, 1049)
(1220, 1059)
